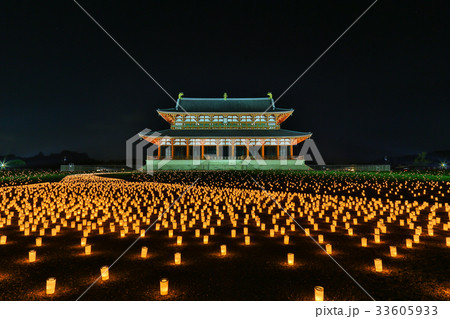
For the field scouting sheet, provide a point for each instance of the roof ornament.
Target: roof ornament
(270, 97)
(225, 95)
(180, 95)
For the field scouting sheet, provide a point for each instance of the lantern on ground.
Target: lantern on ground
(105, 272)
(329, 249)
(83, 241)
(32, 256)
(350, 231)
(3, 240)
(286, 239)
(416, 239)
(245, 231)
(364, 242)
(197, 233)
(177, 258)
(320, 237)
(205, 239)
(318, 293)
(87, 249)
(263, 226)
(42, 232)
(378, 265)
(393, 250)
(233, 233)
(333, 228)
(292, 227)
(164, 286)
(144, 251)
(170, 233)
(447, 240)
(179, 240)
(142, 233)
(408, 243)
(282, 230)
(290, 259)
(272, 233)
(307, 233)
(51, 285)
(39, 241)
(54, 232)
(223, 250)
(211, 231)
(377, 238)
(122, 233)
(247, 240)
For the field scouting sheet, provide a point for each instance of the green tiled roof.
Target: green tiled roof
(222, 105)
(230, 133)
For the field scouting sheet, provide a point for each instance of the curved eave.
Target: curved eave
(176, 112)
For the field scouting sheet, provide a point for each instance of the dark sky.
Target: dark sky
(383, 89)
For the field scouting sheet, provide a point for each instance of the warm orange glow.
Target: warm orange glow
(179, 240)
(393, 250)
(177, 258)
(290, 259)
(87, 249)
(105, 272)
(164, 286)
(144, 251)
(329, 249)
(39, 241)
(223, 250)
(83, 241)
(408, 243)
(247, 240)
(3, 240)
(32, 256)
(318, 293)
(364, 242)
(378, 265)
(51, 286)
(286, 239)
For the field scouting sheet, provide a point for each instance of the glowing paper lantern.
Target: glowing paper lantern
(164, 286)
(350, 231)
(170, 233)
(286, 240)
(205, 239)
(307, 232)
(329, 249)
(54, 232)
(211, 231)
(408, 243)
(179, 240)
(87, 249)
(263, 226)
(333, 228)
(318, 293)
(393, 250)
(144, 251)
(32, 256)
(83, 241)
(177, 258)
(377, 238)
(292, 227)
(247, 240)
(378, 265)
(105, 272)
(282, 231)
(364, 242)
(42, 232)
(3, 240)
(39, 241)
(223, 250)
(51, 285)
(320, 237)
(233, 233)
(272, 233)
(416, 239)
(245, 231)
(447, 240)
(142, 233)
(197, 233)
(290, 259)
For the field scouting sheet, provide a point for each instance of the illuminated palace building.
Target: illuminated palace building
(225, 133)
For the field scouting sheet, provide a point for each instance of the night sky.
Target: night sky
(383, 89)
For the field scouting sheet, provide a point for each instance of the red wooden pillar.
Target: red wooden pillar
(292, 151)
(262, 151)
(171, 150)
(159, 150)
(203, 149)
(278, 149)
(187, 149)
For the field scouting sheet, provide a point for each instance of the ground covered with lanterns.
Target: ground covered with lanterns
(229, 236)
